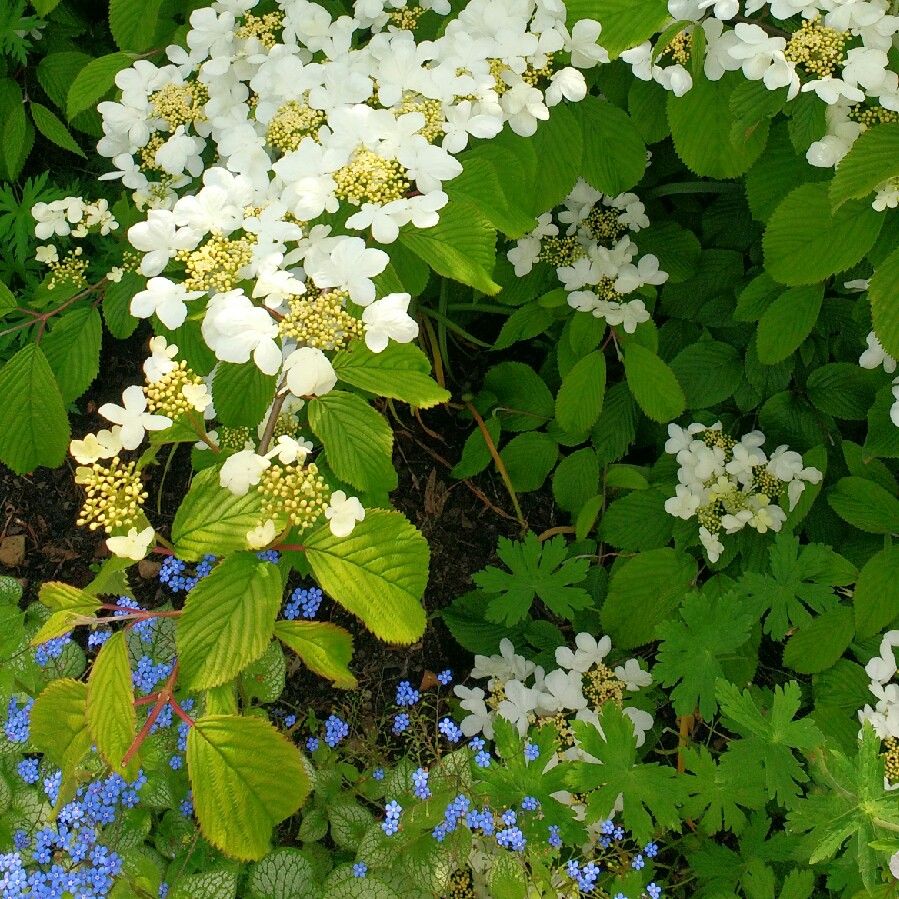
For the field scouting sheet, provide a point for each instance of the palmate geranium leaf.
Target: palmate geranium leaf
(652, 793)
(770, 737)
(535, 570)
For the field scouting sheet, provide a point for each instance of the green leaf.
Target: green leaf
(559, 146)
(378, 573)
(44, 7)
(652, 383)
(34, 428)
(15, 145)
(653, 582)
(701, 122)
(401, 372)
(349, 821)
(227, 621)
(614, 152)
(625, 23)
(708, 371)
(59, 724)
(475, 453)
(804, 242)
(358, 441)
(528, 459)
(676, 248)
(883, 291)
(651, 792)
(872, 159)
(787, 322)
(324, 648)
(637, 521)
(70, 606)
(461, 246)
(842, 389)
(72, 348)
(579, 400)
(693, 649)
(94, 81)
(876, 595)
(133, 23)
(576, 480)
(54, 130)
(818, 645)
(116, 305)
(242, 394)
(524, 400)
(263, 680)
(617, 425)
(211, 519)
(524, 323)
(865, 505)
(646, 106)
(206, 885)
(110, 705)
(282, 874)
(57, 71)
(534, 570)
(246, 778)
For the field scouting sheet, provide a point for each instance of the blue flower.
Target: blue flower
(420, 782)
(654, 890)
(290, 720)
(27, 769)
(511, 838)
(335, 730)
(450, 730)
(554, 839)
(530, 804)
(406, 695)
(531, 752)
(400, 723)
(378, 774)
(269, 555)
(638, 862)
(360, 869)
(651, 850)
(445, 677)
(303, 602)
(312, 744)
(482, 759)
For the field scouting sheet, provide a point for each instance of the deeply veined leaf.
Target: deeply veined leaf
(818, 645)
(883, 291)
(133, 23)
(865, 505)
(576, 479)
(524, 323)
(246, 777)
(70, 606)
(110, 705)
(525, 402)
(59, 724)
(208, 884)
(708, 371)
(528, 459)
(876, 594)
(72, 348)
(54, 130)
(625, 23)
(614, 152)
(116, 305)
(787, 322)
(804, 242)
(284, 873)
(842, 389)
(34, 427)
(14, 141)
(676, 248)
(462, 246)
(94, 80)
(872, 159)
(324, 648)
(227, 621)
(211, 519)
(378, 573)
(579, 400)
(559, 145)
(653, 383)
(242, 394)
(401, 372)
(358, 441)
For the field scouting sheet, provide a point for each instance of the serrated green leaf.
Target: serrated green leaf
(242, 394)
(378, 573)
(94, 80)
(637, 521)
(324, 648)
(70, 606)
(57, 71)
(524, 400)
(211, 519)
(865, 505)
(804, 242)
(34, 428)
(818, 645)
(528, 459)
(579, 400)
(246, 777)
(876, 594)
(116, 305)
(652, 383)
(524, 323)
(110, 706)
(401, 372)
(133, 23)
(617, 425)
(282, 874)
(708, 371)
(462, 246)
(72, 348)
(883, 291)
(227, 621)
(625, 23)
(15, 145)
(614, 152)
(475, 453)
(263, 679)
(872, 159)
(559, 145)
(358, 441)
(206, 885)
(576, 480)
(59, 724)
(676, 248)
(787, 322)
(348, 821)
(842, 389)
(54, 130)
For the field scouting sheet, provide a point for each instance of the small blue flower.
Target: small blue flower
(303, 602)
(654, 890)
(360, 869)
(511, 838)
(420, 782)
(378, 774)
(482, 759)
(651, 850)
(476, 744)
(554, 839)
(406, 695)
(530, 804)
(335, 730)
(450, 730)
(269, 555)
(445, 677)
(509, 818)
(531, 752)
(290, 720)
(400, 723)
(27, 769)
(312, 744)
(638, 863)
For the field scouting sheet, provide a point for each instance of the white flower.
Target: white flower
(233, 328)
(562, 690)
(713, 546)
(102, 445)
(133, 417)
(132, 546)
(165, 298)
(585, 52)
(261, 535)
(566, 84)
(387, 318)
(309, 372)
(632, 675)
(197, 395)
(507, 665)
(349, 266)
(894, 865)
(158, 238)
(241, 470)
(685, 503)
(481, 718)
(47, 254)
(159, 362)
(875, 356)
(343, 512)
(288, 450)
(589, 652)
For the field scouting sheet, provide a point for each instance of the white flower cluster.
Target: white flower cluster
(840, 52)
(301, 114)
(72, 216)
(884, 716)
(524, 694)
(728, 484)
(874, 357)
(588, 242)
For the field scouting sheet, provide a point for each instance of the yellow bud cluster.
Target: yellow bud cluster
(131, 260)
(406, 18)
(233, 438)
(370, 178)
(497, 67)
(113, 495)
(602, 223)
(679, 48)
(601, 685)
(537, 77)
(605, 290)
(180, 104)
(264, 28)
(291, 123)
(293, 491)
(716, 437)
(320, 319)
(559, 251)
(432, 110)
(215, 265)
(562, 726)
(461, 885)
(709, 517)
(817, 48)
(148, 154)
(765, 482)
(891, 759)
(71, 269)
(166, 396)
(286, 425)
(870, 116)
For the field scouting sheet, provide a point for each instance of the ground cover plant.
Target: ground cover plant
(646, 254)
